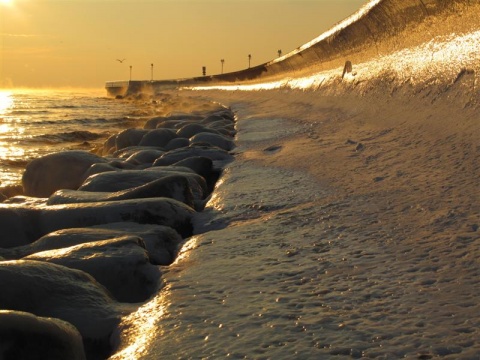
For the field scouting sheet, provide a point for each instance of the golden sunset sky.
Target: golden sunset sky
(62, 43)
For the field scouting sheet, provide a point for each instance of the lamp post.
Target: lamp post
(249, 59)
(151, 66)
(222, 61)
(130, 72)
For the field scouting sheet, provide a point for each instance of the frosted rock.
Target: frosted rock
(189, 130)
(23, 225)
(158, 137)
(173, 124)
(222, 115)
(225, 127)
(26, 200)
(160, 211)
(62, 170)
(160, 241)
(203, 166)
(199, 164)
(122, 180)
(120, 264)
(129, 137)
(176, 155)
(56, 291)
(16, 228)
(218, 122)
(26, 336)
(177, 144)
(112, 165)
(98, 169)
(129, 151)
(173, 186)
(154, 123)
(144, 157)
(109, 145)
(217, 140)
(228, 131)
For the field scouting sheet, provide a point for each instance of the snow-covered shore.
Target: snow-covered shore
(345, 226)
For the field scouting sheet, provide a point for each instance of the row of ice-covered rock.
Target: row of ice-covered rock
(90, 231)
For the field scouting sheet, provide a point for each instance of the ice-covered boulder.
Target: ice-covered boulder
(158, 137)
(173, 186)
(217, 140)
(142, 157)
(129, 137)
(26, 336)
(122, 180)
(23, 225)
(26, 200)
(189, 130)
(172, 121)
(177, 144)
(129, 151)
(203, 166)
(98, 169)
(173, 124)
(173, 156)
(160, 241)
(51, 290)
(120, 264)
(19, 225)
(61, 170)
(160, 211)
(153, 122)
(222, 115)
(224, 127)
(109, 145)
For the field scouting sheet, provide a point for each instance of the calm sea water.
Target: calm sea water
(37, 122)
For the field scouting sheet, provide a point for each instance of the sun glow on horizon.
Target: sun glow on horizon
(6, 2)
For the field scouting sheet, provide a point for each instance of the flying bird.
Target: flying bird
(121, 61)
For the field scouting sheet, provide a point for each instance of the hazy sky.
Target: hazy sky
(52, 43)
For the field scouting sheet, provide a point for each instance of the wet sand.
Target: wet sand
(345, 226)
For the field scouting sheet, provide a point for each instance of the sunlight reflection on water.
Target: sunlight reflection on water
(8, 149)
(6, 101)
